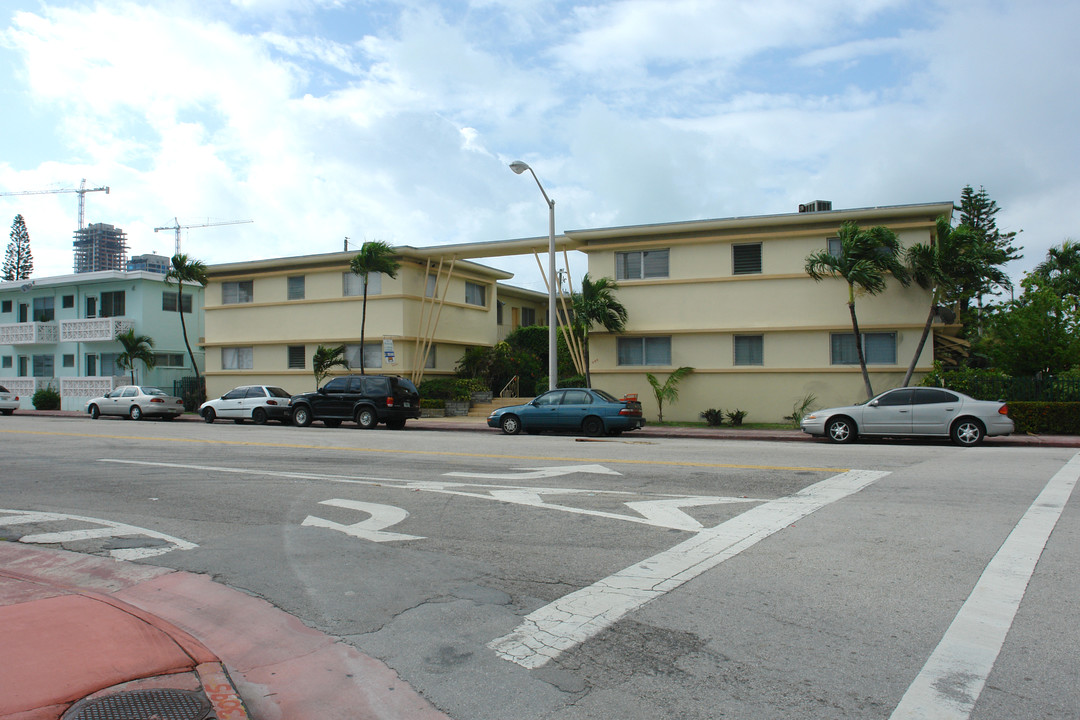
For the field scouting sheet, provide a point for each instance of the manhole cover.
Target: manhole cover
(142, 705)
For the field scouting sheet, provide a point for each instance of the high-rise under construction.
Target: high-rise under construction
(100, 246)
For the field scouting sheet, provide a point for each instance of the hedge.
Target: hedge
(1055, 418)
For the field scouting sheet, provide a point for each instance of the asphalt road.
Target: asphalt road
(549, 577)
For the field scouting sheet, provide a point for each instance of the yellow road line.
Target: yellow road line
(434, 453)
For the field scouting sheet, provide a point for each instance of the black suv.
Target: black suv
(367, 399)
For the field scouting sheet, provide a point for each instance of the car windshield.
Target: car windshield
(151, 391)
(605, 395)
(4, 389)
(277, 392)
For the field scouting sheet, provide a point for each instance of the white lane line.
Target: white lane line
(953, 678)
(576, 617)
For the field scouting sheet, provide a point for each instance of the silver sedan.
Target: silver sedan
(9, 401)
(136, 402)
(914, 412)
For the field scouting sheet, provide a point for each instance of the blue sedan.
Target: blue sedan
(590, 411)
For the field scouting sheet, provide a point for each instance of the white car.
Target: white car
(9, 401)
(914, 412)
(257, 403)
(136, 402)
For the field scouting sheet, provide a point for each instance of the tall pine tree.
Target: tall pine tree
(18, 261)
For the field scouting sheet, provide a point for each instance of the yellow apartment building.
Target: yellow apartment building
(266, 318)
(731, 299)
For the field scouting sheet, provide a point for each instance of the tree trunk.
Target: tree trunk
(588, 371)
(363, 321)
(859, 350)
(922, 343)
(183, 325)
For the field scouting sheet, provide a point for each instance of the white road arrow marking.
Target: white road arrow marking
(382, 516)
(538, 473)
(666, 513)
(108, 529)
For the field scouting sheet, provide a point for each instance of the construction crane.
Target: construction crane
(178, 227)
(82, 190)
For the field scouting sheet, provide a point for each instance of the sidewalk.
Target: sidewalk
(99, 638)
(479, 424)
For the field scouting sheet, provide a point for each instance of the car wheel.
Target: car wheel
(135, 413)
(301, 416)
(510, 424)
(258, 416)
(967, 432)
(332, 423)
(840, 430)
(395, 424)
(94, 412)
(593, 426)
(7, 412)
(366, 418)
(209, 415)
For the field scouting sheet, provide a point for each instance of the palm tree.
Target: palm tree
(596, 303)
(375, 256)
(940, 266)
(866, 258)
(137, 348)
(326, 358)
(669, 390)
(191, 271)
(1061, 271)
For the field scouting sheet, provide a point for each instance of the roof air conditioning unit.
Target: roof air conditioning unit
(816, 206)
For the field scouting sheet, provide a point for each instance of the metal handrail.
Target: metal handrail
(511, 388)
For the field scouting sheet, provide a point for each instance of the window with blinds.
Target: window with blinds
(746, 259)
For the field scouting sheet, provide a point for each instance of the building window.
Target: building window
(69, 360)
(239, 291)
(68, 302)
(43, 365)
(5, 306)
(43, 309)
(109, 366)
(475, 294)
(352, 285)
(296, 287)
(168, 302)
(112, 304)
(499, 305)
(5, 362)
(372, 355)
(746, 259)
(528, 316)
(429, 291)
(879, 348)
(834, 247)
(296, 357)
(644, 351)
(749, 350)
(429, 363)
(237, 358)
(169, 359)
(641, 264)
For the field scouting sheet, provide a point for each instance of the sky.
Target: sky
(396, 120)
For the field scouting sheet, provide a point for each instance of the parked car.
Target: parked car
(587, 410)
(257, 403)
(366, 399)
(9, 401)
(136, 401)
(914, 412)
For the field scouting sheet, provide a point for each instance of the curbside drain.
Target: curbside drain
(159, 704)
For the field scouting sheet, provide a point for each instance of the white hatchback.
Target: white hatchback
(257, 403)
(9, 401)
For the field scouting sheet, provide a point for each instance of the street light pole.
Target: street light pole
(553, 355)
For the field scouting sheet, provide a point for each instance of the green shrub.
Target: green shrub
(432, 403)
(736, 416)
(46, 399)
(574, 381)
(979, 383)
(1055, 418)
(713, 417)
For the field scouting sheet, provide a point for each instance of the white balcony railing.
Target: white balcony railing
(89, 386)
(94, 329)
(28, 333)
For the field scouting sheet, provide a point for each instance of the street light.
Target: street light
(553, 355)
